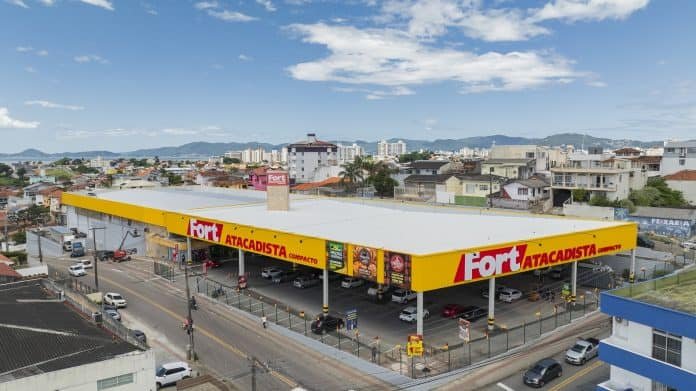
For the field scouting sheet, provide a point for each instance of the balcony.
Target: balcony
(575, 185)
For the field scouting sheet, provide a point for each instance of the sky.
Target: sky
(121, 75)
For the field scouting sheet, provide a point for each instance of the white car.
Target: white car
(115, 300)
(689, 245)
(403, 296)
(509, 295)
(86, 263)
(372, 291)
(171, 372)
(77, 270)
(410, 314)
(270, 272)
(351, 282)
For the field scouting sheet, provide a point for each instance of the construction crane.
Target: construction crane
(120, 254)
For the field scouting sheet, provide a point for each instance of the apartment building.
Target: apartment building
(678, 156)
(348, 153)
(308, 156)
(387, 150)
(598, 173)
(522, 161)
(653, 340)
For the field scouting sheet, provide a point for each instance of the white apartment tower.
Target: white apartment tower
(386, 149)
(307, 157)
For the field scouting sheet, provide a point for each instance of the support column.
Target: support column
(632, 275)
(419, 313)
(491, 303)
(241, 262)
(325, 292)
(573, 281)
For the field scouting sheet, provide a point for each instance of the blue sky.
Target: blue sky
(123, 75)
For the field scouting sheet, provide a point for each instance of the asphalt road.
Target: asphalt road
(223, 342)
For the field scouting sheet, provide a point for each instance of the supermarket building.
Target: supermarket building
(412, 246)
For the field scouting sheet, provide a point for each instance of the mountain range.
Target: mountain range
(204, 149)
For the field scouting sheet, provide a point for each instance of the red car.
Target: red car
(210, 264)
(452, 310)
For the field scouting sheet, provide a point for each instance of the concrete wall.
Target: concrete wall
(688, 188)
(109, 238)
(589, 211)
(85, 377)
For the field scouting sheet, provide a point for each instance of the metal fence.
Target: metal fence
(75, 293)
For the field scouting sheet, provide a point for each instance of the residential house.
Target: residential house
(599, 174)
(509, 168)
(38, 193)
(648, 163)
(420, 187)
(523, 193)
(307, 156)
(684, 181)
(627, 152)
(8, 274)
(429, 167)
(41, 178)
(258, 178)
(544, 158)
(471, 190)
(678, 156)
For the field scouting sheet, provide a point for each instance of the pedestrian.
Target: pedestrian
(374, 353)
(263, 320)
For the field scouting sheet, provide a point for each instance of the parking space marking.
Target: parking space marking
(504, 387)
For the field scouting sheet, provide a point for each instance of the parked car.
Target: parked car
(509, 295)
(644, 241)
(86, 263)
(172, 372)
(306, 281)
(113, 314)
(452, 310)
(326, 323)
(689, 245)
(473, 312)
(77, 270)
(410, 314)
(351, 282)
(270, 272)
(211, 264)
(498, 289)
(583, 351)
(284, 276)
(108, 307)
(372, 291)
(139, 335)
(403, 296)
(115, 299)
(542, 372)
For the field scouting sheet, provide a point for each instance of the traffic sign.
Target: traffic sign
(352, 319)
(414, 345)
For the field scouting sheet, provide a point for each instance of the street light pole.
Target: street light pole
(96, 261)
(191, 353)
(490, 188)
(38, 236)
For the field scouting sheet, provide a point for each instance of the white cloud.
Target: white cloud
(87, 58)
(30, 69)
(388, 57)
(204, 5)
(267, 4)
(7, 122)
(42, 53)
(179, 131)
(151, 11)
(217, 67)
(47, 3)
(588, 10)
(106, 4)
(18, 3)
(244, 57)
(52, 105)
(230, 16)
(24, 49)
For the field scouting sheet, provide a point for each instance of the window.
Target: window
(657, 386)
(530, 155)
(470, 188)
(682, 162)
(115, 381)
(666, 347)
(522, 191)
(483, 187)
(669, 150)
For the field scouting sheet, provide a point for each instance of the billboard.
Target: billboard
(397, 269)
(277, 178)
(336, 254)
(365, 263)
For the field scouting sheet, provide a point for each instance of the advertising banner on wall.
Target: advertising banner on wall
(365, 262)
(397, 269)
(336, 254)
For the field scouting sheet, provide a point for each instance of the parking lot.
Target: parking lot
(375, 319)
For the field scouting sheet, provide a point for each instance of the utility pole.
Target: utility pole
(191, 352)
(490, 188)
(96, 261)
(7, 217)
(38, 236)
(253, 374)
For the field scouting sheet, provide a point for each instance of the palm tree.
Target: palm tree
(351, 173)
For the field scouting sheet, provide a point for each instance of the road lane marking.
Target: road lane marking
(577, 375)
(201, 330)
(504, 387)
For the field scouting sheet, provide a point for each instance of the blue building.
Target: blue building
(652, 346)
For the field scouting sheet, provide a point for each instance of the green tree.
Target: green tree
(62, 162)
(175, 179)
(5, 170)
(647, 196)
(580, 195)
(383, 182)
(415, 155)
(21, 172)
(34, 215)
(351, 175)
(19, 237)
(82, 169)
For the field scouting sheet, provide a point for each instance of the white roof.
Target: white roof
(409, 228)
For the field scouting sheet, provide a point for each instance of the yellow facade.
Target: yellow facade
(423, 272)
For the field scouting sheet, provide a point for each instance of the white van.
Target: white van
(77, 270)
(172, 372)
